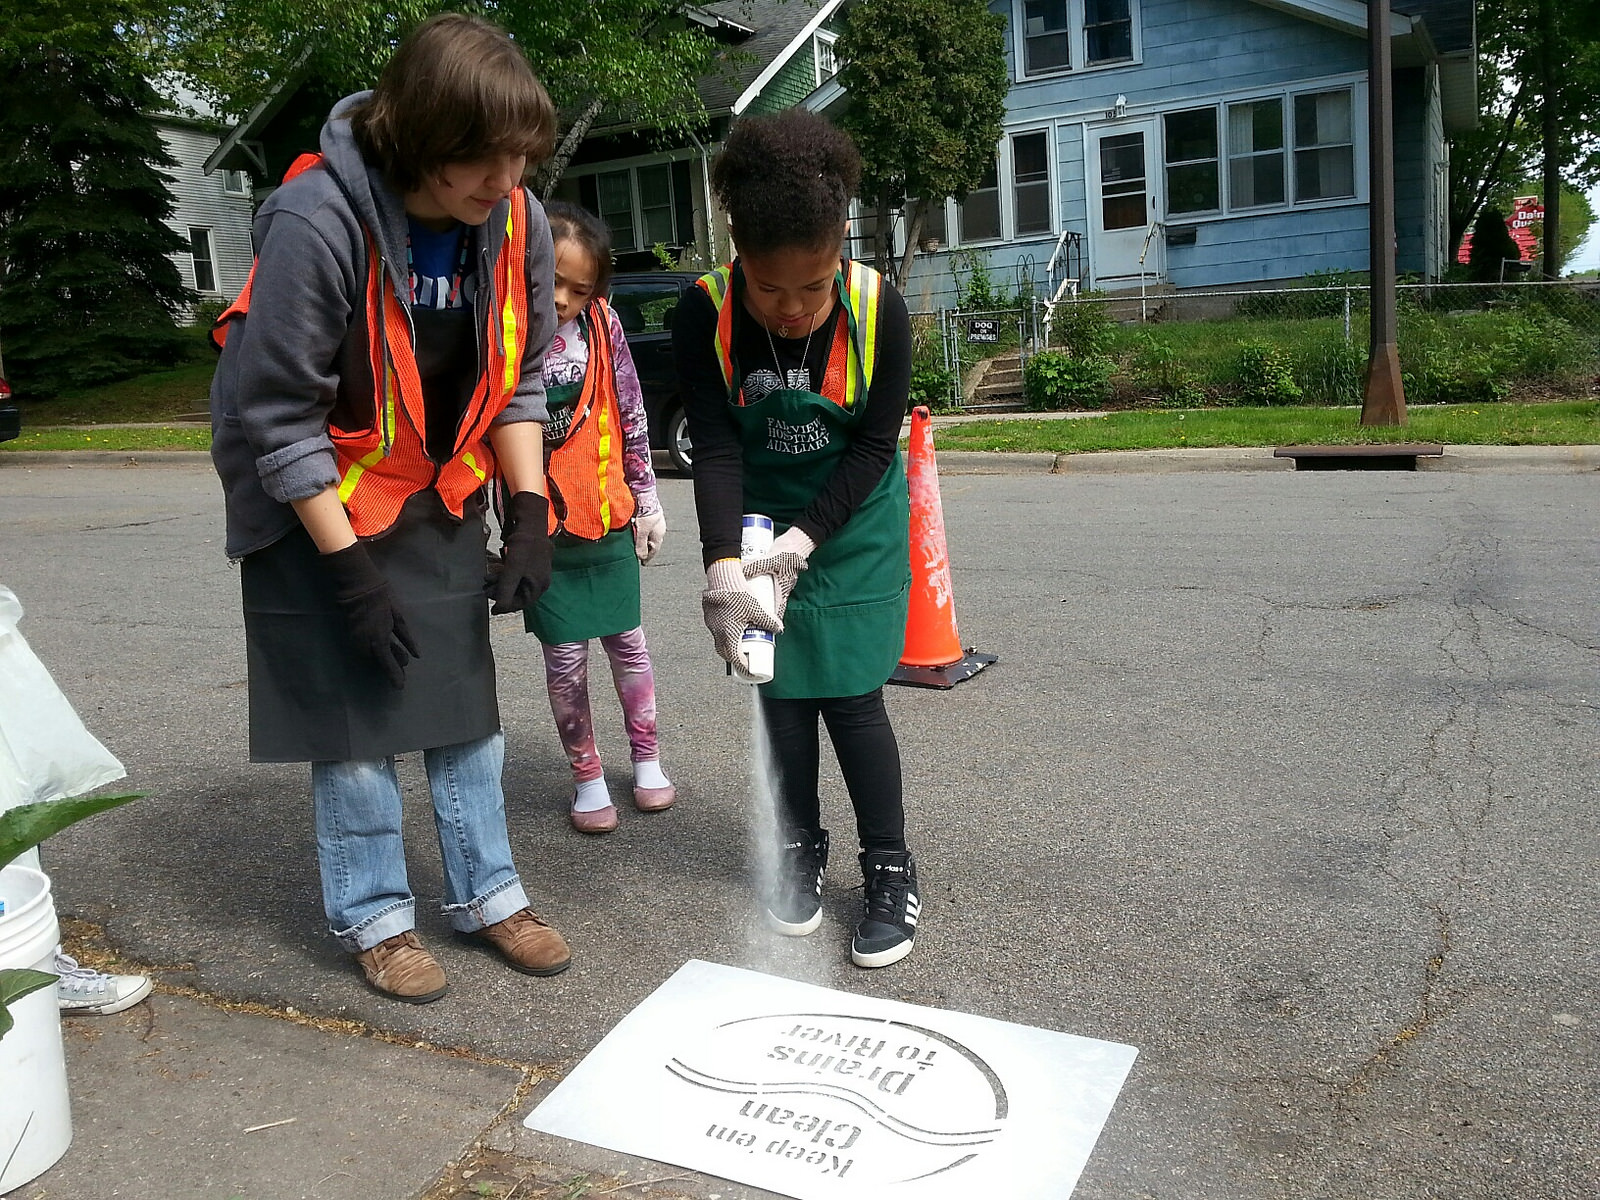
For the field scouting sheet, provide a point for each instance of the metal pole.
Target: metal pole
(1384, 402)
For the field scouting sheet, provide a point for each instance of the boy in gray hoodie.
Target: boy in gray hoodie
(384, 364)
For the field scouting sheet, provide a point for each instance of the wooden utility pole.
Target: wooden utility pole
(1384, 402)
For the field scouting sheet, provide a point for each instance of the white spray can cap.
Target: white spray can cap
(757, 647)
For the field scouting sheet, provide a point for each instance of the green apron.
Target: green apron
(594, 586)
(845, 627)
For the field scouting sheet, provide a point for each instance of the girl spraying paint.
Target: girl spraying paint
(796, 365)
(605, 521)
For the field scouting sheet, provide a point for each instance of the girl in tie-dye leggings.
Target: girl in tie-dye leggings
(593, 390)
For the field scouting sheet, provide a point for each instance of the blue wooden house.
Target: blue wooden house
(1205, 143)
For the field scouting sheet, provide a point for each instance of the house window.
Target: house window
(822, 51)
(1123, 186)
(1030, 183)
(616, 207)
(1107, 31)
(1255, 154)
(1192, 161)
(1046, 40)
(236, 183)
(1324, 149)
(980, 211)
(205, 263)
(655, 203)
(933, 224)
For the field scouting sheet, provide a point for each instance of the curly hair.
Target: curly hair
(786, 180)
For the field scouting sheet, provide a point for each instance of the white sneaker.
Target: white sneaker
(83, 990)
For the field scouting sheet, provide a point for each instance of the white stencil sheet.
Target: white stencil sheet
(822, 1095)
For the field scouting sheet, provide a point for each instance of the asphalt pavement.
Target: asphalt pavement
(1285, 778)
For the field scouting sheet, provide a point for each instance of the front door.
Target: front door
(1124, 182)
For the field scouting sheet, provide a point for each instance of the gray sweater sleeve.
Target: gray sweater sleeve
(528, 402)
(286, 370)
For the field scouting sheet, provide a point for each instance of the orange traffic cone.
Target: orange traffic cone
(932, 655)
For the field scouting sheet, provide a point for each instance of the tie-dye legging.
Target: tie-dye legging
(566, 669)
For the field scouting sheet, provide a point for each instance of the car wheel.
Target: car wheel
(678, 448)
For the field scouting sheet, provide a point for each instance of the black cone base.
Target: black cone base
(943, 677)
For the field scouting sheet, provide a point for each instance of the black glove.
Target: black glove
(524, 553)
(377, 628)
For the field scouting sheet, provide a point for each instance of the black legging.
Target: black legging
(869, 759)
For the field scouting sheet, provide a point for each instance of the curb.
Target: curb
(1548, 459)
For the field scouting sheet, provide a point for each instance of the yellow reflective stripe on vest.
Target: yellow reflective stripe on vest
(508, 321)
(472, 465)
(718, 284)
(347, 485)
(604, 430)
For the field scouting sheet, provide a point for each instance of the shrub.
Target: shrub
(1441, 373)
(1264, 375)
(1492, 247)
(978, 292)
(1082, 327)
(1052, 380)
(1156, 369)
(932, 385)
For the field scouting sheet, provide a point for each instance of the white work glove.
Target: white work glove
(649, 525)
(730, 607)
(784, 562)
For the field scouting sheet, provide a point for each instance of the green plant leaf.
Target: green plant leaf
(27, 825)
(14, 985)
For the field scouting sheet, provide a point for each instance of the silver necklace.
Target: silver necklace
(799, 379)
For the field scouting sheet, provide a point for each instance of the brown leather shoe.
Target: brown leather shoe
(402, 968)
(527, 944)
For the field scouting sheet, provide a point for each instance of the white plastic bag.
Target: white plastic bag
(45, 752)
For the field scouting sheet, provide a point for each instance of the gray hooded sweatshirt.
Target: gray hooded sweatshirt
(300, 359)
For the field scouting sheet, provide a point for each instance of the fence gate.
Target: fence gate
(970, 336)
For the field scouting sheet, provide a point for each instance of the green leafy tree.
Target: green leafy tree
(927, 83)
(635, 60)
(87, 290)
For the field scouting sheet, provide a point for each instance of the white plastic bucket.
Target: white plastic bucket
(35, 1120)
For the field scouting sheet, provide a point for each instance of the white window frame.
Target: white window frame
(1283, 151)
(1006, 185)
(636, 198)
(232, 178)
(821, 41)
(1077, 42)
(1351, 84)
(1295, 148)
(204, 232)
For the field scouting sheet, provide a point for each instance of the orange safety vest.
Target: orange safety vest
(589, 496)
(854, 353)
(386, 463)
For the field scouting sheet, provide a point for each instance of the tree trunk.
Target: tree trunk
(549, 174)
(1552, 139)
(1460, 222)
(913, 232)
(883, 239)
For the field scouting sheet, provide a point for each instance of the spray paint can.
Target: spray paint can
(757, 646)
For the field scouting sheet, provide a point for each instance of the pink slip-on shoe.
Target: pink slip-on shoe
(599, 820)
(648, 799)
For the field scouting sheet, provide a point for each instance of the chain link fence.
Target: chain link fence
(1307, 344)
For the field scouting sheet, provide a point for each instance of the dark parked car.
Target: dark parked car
(10, 414)
(645, 302)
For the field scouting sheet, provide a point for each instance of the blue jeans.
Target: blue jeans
(362, 858)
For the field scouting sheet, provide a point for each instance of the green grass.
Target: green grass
(1574, 423)
(120, 438)
(159, 396)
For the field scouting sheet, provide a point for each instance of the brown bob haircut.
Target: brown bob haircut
(457, 90)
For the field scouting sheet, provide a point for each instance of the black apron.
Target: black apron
(312, 699)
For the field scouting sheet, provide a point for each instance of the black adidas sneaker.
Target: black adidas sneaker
(794, 906)
(885, 933)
